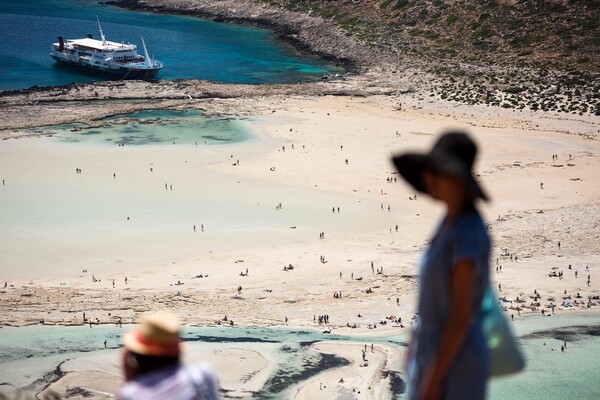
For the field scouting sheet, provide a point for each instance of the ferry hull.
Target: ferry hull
(111, 73)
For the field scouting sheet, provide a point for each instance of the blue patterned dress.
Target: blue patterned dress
(465, 238)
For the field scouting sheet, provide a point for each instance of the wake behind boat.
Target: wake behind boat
(118, 60)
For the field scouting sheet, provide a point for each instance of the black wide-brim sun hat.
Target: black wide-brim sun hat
(453, 154)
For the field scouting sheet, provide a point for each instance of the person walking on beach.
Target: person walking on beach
(448, 356)
(152, 367)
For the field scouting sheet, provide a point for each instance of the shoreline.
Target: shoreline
(307, 34)
(35, 107)
(516, 87)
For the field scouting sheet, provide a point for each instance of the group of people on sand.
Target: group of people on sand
(201, 228)
(389, 207)
(225, 319)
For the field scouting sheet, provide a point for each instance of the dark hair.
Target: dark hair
(146, 363)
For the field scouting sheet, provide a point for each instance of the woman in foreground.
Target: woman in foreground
(448, 356)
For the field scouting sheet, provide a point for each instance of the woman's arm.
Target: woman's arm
(462, 293)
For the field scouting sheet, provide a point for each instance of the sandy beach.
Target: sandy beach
(312, 155)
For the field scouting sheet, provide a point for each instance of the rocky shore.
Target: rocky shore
(510, 84)
(86, 103)
(371, 70)
(307, 33)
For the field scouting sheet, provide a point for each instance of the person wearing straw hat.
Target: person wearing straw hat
(448, 356)
(151, 364)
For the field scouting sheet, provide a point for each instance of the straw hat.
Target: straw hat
(453, 154)
(157, 335)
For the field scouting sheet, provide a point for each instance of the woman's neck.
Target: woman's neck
(457, 207)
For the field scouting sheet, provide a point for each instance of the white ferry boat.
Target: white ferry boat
(118, 60)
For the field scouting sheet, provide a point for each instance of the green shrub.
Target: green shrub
(515, 89)
(401, 4)
(451, 19)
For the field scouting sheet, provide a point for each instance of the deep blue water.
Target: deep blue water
(189, 47)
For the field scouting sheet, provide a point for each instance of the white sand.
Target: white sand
(364, 378)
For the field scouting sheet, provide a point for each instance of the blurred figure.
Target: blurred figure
(151, 363)
(448, 356)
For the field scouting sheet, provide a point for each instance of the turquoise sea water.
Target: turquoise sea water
(551, 374)
(189, 47)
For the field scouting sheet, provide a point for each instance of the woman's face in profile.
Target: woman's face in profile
(441, 187)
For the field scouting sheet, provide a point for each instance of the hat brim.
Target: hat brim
(411, 167)
(134, 342)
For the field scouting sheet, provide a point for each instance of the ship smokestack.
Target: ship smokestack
(61, 43)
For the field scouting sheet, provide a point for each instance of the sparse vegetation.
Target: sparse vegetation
(538, 54)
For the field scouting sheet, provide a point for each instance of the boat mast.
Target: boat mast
(101, 33)
(147, 61)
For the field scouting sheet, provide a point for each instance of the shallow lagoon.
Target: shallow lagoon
(188, 127)
(550, 374)
(46, 347)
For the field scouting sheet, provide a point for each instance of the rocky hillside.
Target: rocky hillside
(559, 34)
(519, 54)
(536, 54)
